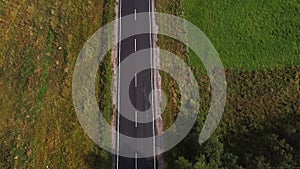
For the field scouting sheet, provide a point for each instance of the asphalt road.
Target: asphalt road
(140, 87)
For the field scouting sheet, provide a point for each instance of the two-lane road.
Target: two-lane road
(140, 88)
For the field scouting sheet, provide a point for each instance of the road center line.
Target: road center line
(136, 119)
(135, 45)
(136, 164)
(135, 80)
(135, 14)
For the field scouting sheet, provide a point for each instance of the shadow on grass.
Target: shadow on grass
(93, 160)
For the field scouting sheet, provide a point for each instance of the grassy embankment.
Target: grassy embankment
(40, 41)
(258, 43)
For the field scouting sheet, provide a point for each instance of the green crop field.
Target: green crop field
(250, 34)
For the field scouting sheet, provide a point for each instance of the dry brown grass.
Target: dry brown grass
(39, 46)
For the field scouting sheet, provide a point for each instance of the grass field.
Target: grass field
(40, 41)
(249, 34)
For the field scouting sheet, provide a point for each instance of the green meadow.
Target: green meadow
(249, 34)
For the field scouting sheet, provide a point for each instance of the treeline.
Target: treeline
(275, 146)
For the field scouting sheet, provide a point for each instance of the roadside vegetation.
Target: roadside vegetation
(258, 43)
(169, 86)
(40, 41)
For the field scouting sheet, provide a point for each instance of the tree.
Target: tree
(183, 163)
